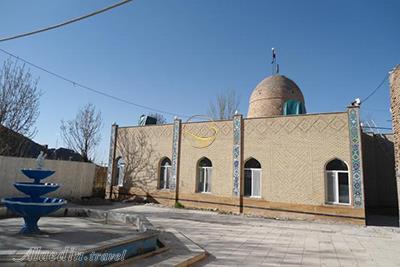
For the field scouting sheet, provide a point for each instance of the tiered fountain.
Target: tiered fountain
(33, 207)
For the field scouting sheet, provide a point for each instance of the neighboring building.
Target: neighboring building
(379, 174)
(63, 154)
(13, 144)
(278, 162)
(395, 108)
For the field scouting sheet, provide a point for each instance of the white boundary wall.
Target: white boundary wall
(75, 178)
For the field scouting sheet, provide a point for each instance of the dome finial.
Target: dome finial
(275, 65)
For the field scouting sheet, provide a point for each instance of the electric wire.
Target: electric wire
(376, 89)
(376, 110)
(78, 84)
(381, 128)
(65, 22)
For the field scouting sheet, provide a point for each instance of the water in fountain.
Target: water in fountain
(35, 206)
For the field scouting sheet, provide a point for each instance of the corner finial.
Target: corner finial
(356, 102)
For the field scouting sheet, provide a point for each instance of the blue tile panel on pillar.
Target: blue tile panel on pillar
(111, 155)
(237, 140)
(175, 153)
(356, 164)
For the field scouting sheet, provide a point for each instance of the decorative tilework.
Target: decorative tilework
(175, 153)
(300, 124)
(114, 128)
(224, 127)
(355, 149)
(237, 126)
(337, 124)
(206, 128)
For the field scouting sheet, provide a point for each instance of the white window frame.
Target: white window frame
(336, 187)
(121, 173)
(206, 179)
(252, 183)
(167, 170)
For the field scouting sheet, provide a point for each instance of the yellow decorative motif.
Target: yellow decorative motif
(196, 140)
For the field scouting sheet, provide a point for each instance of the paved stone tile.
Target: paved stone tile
(233, 240)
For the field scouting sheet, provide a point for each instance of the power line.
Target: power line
(77, 84)
(373, 127)
(376, 89)
(66, 22)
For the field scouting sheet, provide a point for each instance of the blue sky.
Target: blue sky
(177, 55)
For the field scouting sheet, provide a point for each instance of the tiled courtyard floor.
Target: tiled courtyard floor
(243, 241)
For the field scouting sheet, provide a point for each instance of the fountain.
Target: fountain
(33, 207)
(78, 236)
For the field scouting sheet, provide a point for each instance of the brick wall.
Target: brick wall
(292, 150)
(143, 149)
(395, 107)
(219, 152)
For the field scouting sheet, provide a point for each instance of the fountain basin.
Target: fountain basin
(36, 190)
(37, 174)
(26, 206)
(32, 209)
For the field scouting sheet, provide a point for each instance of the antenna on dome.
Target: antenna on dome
(275, 65)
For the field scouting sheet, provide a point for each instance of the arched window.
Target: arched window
(337, 182)
(165, 173)
(293, 107)
(204, 176)
(120, 171)
(252, 178)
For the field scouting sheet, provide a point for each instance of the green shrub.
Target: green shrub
(178, 205)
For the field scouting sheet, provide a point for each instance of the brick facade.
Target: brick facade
(292, 150)
(395, 107)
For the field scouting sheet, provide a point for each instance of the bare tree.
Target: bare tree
(19, 98)
(224, 106)
(139, 156)
(160, 118)
(82, 134)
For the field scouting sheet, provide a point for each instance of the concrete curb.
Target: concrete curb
(182, 252)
